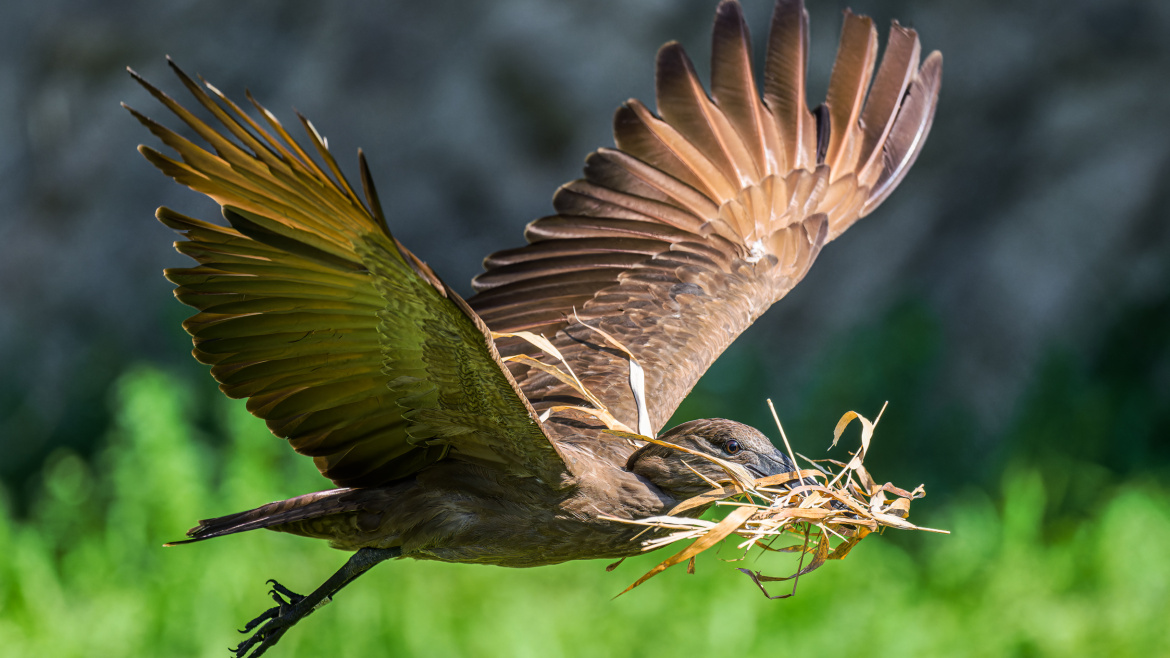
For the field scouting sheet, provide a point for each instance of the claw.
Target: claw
(292, 596)
(267, 614)
(276, 620)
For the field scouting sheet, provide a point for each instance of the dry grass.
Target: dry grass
(827, 513)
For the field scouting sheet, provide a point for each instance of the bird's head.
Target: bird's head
(674, 471)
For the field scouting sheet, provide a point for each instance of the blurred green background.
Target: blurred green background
(1023, 574)
(1011, 300)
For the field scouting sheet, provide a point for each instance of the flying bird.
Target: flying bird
(482, 430)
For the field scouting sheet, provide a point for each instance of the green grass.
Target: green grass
(85, 574)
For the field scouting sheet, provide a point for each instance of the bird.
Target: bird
(519, 426)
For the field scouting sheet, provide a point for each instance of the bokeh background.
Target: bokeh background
(1011, 301)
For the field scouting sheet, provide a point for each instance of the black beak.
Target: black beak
(771, 465)
(780, 463)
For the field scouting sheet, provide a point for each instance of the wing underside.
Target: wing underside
(709, 211)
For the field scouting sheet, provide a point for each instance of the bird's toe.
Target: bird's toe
(271, 624)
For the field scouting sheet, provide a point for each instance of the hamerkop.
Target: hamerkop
(671, 245)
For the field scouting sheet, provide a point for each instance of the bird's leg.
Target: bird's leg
(292, 607)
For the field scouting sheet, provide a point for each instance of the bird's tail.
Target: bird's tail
(281, 512)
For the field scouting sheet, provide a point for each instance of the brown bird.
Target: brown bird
(449, 442)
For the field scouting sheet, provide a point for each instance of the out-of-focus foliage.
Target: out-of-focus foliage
(84, 574)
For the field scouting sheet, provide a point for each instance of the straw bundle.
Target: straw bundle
(828, 514)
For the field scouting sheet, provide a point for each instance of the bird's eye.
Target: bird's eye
(732, 447)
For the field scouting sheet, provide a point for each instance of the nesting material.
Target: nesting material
(827, 513)
(598, 409)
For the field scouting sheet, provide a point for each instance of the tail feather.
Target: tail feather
(308, 506)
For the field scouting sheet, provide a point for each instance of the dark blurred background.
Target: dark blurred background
(1011, 300)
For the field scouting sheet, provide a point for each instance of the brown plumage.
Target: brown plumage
(354, 351)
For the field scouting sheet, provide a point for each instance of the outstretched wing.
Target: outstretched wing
(343, 341)
(707, 214)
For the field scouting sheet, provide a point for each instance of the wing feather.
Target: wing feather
(733, 86)
(852, 72)
(785, 68)
(683, 103)
(909, 130)
(898, 68)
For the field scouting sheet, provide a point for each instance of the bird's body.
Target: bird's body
(508, 429)
(458, 512)
(455, 511)
(465, 513)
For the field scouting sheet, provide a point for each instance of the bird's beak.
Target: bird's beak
(771, 465)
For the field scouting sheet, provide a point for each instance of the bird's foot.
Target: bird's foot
(273, 622)
(291, 607)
